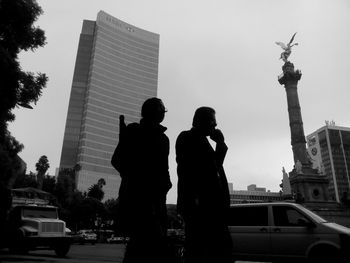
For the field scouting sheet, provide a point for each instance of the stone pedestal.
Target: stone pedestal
(309, 186)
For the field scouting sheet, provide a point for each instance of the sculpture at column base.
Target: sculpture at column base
(286, 187)
(309, 186)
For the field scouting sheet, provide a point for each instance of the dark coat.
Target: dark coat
(202, 181)
(141, 158)
(203, 198)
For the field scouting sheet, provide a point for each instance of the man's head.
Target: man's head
(204, 120)
(153, 110)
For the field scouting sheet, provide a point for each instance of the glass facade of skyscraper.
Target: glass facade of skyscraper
(329, 149)
(116, 70)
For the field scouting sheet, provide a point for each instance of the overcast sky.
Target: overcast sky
(219, 53)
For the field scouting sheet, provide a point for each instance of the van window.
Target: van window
(249, 216)
(288, 216)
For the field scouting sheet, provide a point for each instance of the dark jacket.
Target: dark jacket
(141, 158)
(202, 181)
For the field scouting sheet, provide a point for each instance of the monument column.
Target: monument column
(307, 184)
(289, 79)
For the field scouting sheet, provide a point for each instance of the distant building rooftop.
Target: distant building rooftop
(254, 195)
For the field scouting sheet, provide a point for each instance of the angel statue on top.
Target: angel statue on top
(287, 48)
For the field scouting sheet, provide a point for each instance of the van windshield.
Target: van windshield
(315, 217)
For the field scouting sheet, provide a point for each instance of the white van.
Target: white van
(285, 231)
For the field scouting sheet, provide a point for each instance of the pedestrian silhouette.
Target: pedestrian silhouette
(141, 158)
(203, 194)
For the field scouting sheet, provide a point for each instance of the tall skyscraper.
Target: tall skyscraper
(329, 149)
(116, 69)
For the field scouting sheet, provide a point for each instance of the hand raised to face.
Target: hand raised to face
(217, 136)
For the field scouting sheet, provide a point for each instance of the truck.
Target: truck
(34, 224)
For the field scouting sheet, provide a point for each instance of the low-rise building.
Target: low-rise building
(254, 194)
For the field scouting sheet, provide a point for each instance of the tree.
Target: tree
(73, 216)
(41, 167)
(18, 88)
(88, 211)
(65, 186)
(111, 207)
(96, 190)
(10, 162)
(26, 180)
(49, 184)
(101, 182)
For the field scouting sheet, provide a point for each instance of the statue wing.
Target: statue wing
(291, 40)
(282, 45)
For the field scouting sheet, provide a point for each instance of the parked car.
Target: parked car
(285, 231)
(116, 239)
(86, 236)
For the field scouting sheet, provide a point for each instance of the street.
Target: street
(78, 253)
(106, 253)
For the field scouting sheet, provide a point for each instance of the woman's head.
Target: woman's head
(204, 120)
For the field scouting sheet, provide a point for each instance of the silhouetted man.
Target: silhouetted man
(203, 195)
(141, 158)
